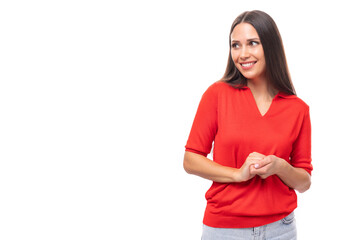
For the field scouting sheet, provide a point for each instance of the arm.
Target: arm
(202, 166)
(296, 174)
(296, 178)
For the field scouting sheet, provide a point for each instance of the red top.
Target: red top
(230, 118)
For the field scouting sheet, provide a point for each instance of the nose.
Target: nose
(244, 53)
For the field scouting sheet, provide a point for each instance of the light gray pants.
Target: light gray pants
(284, 229)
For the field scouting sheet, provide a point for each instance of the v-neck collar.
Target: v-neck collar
(280, 94)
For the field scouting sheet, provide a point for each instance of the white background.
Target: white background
(97, 99)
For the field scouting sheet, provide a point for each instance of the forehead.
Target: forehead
(244, 31)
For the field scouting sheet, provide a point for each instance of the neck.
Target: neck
(261, 89)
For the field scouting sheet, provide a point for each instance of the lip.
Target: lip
(248, 66)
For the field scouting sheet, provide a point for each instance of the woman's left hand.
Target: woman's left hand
(268, 166)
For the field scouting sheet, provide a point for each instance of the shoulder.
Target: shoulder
(301, 104)
(217, 87)
(296, 104)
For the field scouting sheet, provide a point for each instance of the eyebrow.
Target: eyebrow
(248, 40)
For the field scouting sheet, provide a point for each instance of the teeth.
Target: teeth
(247, 64)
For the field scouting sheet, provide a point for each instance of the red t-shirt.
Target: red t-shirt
(230, 118)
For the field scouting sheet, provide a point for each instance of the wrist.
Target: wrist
(283, 166)
(236, 175)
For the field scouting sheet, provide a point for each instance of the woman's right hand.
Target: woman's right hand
(202, 166)
(243, 174)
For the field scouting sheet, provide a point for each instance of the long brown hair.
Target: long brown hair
(277, 71)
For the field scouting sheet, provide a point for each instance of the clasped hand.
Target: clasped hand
(259, 164)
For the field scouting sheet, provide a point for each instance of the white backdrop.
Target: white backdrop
(97, 99)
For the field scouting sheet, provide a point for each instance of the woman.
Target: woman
(262, 139)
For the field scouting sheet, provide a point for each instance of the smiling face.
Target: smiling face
(247, 52)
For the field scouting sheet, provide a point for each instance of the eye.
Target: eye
(253, 43)
(235, 45)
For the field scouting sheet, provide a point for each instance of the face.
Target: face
(247, 52)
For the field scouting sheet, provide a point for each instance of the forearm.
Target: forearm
(201, 166)
(296, 178)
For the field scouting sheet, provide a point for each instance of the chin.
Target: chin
(250, 76)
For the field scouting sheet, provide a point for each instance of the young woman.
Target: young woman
(262, 139)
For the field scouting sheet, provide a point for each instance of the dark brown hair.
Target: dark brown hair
(277, 71)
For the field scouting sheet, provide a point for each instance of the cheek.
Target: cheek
(259, 53)
(233, 56)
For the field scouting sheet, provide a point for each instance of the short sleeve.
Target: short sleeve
(301, 152)
(204, 126)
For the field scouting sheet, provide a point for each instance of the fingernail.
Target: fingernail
(256, 165)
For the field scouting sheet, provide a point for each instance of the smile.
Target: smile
(247, 65)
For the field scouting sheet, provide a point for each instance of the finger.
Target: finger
(253, 163)
(253, 170)
(256, 154)
(255, 157)
(253, 160)
(260, 170)
(264, 162)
